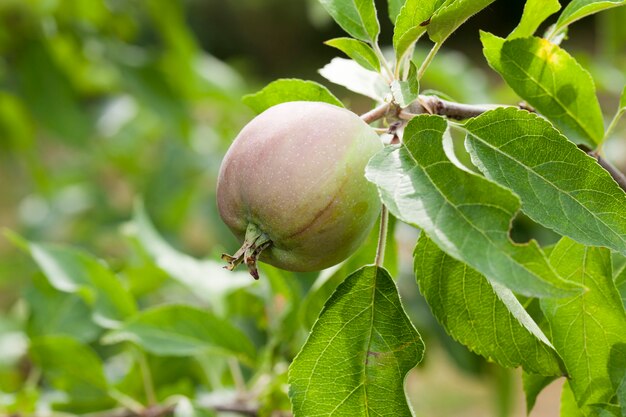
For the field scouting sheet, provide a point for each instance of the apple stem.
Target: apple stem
(254, 243)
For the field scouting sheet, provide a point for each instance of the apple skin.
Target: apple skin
(296, 172)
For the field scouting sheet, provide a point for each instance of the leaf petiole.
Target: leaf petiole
(382, 237)
(429, 58)
(383, 61)
(614, 122)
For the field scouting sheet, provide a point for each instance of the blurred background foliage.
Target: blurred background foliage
(104, 102)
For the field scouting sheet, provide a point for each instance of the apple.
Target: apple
(292, 187)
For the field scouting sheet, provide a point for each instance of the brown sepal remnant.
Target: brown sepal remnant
(254, 243)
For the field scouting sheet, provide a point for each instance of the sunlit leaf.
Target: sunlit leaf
(463, 213)
(358, 353)
(179, 330)
(284, 90)
(352, 76)
(551, 81)
(357, 17)
(578, 9)
(560, 186)
(412, 23)
(588, 329)
(359, 51)
(460, 298)
(453, 14)
(535, 12)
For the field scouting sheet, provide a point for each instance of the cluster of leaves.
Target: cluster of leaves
(166, 333)
(479, 283)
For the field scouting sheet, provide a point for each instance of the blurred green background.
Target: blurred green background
(103, 102)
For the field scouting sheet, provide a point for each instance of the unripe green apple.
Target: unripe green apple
(292, 187)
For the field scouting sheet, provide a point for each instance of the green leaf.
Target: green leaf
(569, 408)
(588, 329)
(71, 367)
(466, 215)
(179, 330)
(394, 7)
(492, 49)
(533, 385)
(560, 186)
(207, 279)
(451, 15)
(405, 92)
(284, 90)
(347, 73)
(53, 312)
(622, 100)
(358, 353)
(73, 271)
(578, 9)
(359, 51)
(551, 81)
(357, 17)
(412, 23)
(535, 12)
(487, 319)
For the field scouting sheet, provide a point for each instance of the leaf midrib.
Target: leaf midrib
(369, 341)
(506, 254)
